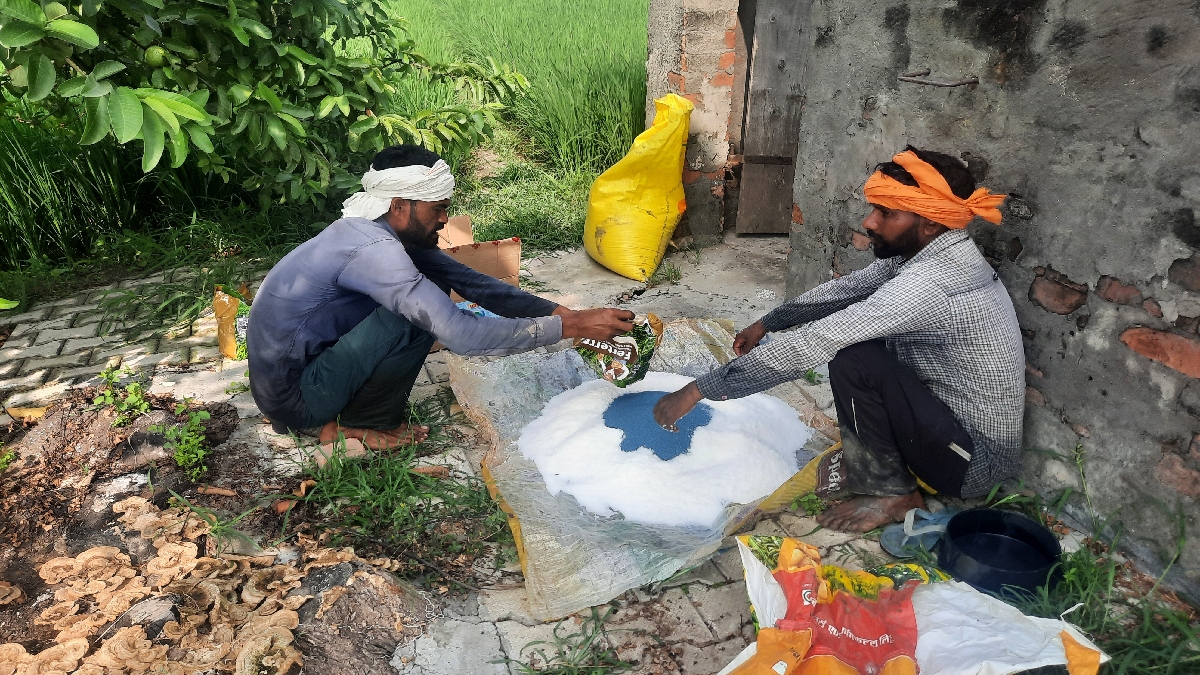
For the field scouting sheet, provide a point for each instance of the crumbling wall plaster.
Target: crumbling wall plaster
(1089, 115)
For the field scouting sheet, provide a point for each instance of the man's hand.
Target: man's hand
(672, 407)
(598, 324)
(749, 338)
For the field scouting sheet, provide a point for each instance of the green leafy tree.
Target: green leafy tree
(277, 94)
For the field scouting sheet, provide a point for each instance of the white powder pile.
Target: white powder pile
(746, 451)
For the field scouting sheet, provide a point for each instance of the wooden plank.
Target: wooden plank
(777, 68)
(765, 203)
(774, 104)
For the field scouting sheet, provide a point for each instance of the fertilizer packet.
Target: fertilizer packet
(624, 359)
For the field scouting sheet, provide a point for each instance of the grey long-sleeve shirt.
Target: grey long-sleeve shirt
(944, 313)
(323, 288)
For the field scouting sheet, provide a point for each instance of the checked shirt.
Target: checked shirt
(944, 313)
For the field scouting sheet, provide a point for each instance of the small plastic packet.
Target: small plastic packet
(625, 359)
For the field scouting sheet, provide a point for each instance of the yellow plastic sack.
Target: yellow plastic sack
(634, 207)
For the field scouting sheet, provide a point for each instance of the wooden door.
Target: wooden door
(774, 101)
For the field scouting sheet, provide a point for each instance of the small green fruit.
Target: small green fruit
(156, 57)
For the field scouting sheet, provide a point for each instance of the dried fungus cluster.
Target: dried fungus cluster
(233, 613)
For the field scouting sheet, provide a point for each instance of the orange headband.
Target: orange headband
(932, 197)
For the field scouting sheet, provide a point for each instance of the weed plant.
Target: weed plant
(587, 649)
(186, 441)
(546, 210)
(129, 401)
(220, 529)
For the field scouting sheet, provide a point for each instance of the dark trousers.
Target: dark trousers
(894, 429)
(364, 379)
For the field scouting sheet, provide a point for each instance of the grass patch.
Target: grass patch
(585, 60)
(546, 210)
(436, 526)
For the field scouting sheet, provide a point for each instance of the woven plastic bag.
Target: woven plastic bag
(634, 207)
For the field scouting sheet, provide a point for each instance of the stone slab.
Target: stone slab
(725, 608)
(27, 381)
(729, 562)
(34, 397)
(67, 361)
(38, 314)
(453, 648)
(516, 637)
(79, 344)
(671, 617)
(510, 604)
(44, 350)
(709, 659)
(54, 334)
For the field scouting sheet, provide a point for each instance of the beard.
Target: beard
(906, 244)
(414, 236)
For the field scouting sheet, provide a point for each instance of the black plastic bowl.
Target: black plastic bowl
(999, 552)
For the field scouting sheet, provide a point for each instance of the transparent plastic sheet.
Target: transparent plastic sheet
(573, 559)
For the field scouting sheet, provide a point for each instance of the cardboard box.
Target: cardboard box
(500, 259)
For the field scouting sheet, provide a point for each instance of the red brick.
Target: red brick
(1176, 351)
(1194, 448)
(1113, 289)
(690, 176)
(683, 62)
(1186, 273)
(1173, 473)
(677, 81)
(1030, 369)
(730, 38)
(1152, 307)
(797, 216)
(1034, 396)
(1054, 292)
(727, 60)
(722, 80)
(696, 99)
(1081, 430)
(860, 241)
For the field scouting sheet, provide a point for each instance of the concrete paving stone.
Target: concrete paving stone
(18, 342)
(452, 648)
(10, 368)
(671, 617)
(37, 314)
(5, 420)
(767, 527)
(706, 573)
(210, 385)
(84, 376)
(97, 294)
(729, 561)
(79, 344)
(439, 372)
(708, 660)
(134, 283)
(34, 397)
(26, 381)
(88, 318)
(176, 357)
(516, 636)
(31, 329)
(168, 344)
(44, 350)
(203, 354)
(509, 604)
(806, 529)
(857, 554)
(205, 326)
(246, 406)
(66, 361)
(52, 334)
(120, 351)
(423, 379)
(65, 302)
(423, 392)
(725, 608)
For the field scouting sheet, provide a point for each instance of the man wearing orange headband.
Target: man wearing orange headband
(924, 352)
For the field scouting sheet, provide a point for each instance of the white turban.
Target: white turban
(420, 183)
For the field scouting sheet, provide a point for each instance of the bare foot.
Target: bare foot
(377, 439)
(862, 514)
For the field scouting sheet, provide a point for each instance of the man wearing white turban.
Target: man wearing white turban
(341, 326)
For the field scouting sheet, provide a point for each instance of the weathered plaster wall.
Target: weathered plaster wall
(1089, 114)
(692, 52)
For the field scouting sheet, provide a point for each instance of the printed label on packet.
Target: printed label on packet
(626, 358)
